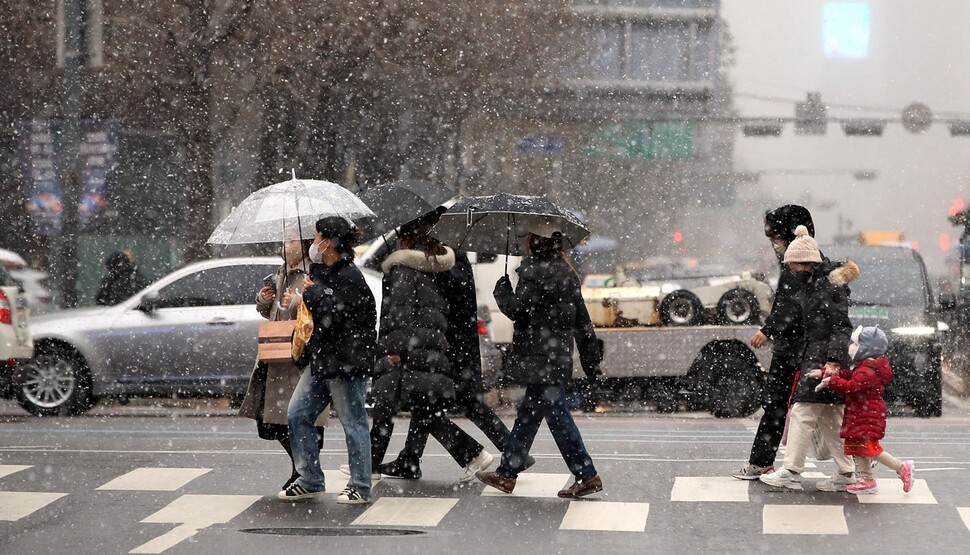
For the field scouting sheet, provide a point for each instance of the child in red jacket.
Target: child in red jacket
(864, 423)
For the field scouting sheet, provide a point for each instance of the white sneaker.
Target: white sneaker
(374, 478)
(782, 478)
(479, 464)
(835, 483)
(351, 496)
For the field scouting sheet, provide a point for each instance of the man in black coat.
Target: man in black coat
(121, 280)
(785, 329)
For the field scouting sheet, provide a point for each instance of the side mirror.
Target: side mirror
(948, 301)
(148, 303)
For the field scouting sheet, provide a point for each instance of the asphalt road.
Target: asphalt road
(180, 479)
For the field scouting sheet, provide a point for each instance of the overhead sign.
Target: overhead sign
(646, 140)
(42, 160)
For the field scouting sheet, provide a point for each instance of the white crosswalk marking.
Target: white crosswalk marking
(155, 479)
(804, 519)
(8, 469)
(891, 492)
(605, 516)
(401, 511)
(193, 513)
(709, 488)
(965, 515)
(15, 505)
(534, 484)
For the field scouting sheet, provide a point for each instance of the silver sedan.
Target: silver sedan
(192, 333)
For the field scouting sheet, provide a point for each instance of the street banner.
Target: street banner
(42, 160)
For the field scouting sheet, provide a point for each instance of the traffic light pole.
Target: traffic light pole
(70, 144)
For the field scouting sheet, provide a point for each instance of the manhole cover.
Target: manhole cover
(333, 531)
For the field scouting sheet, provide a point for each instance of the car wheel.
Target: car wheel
(681, 308)
(930, 404)
(737, 390)
(738, 307)
(665, 396)
(54, 383)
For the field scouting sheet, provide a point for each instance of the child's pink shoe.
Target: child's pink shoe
(906, 475)
(863, 487)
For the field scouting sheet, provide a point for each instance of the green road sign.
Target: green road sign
(645, 140)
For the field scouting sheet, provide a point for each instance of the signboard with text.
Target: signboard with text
(42, 162)
(645, 140)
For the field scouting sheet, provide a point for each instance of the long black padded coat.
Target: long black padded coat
(825, 308)
(414, 311)
(548, 313)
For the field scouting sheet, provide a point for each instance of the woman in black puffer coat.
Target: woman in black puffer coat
(548, 313)
(413, 366)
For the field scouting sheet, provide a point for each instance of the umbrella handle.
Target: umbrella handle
(508, 232)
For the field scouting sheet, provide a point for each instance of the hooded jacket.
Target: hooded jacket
(414, 312)
(121, 280)
(863, 387)
(548, 313)
(784, 324)
(825, 309)
(344, 319)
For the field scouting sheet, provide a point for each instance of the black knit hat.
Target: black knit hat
(785, 219)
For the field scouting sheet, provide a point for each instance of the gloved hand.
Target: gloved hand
(503, 288)
(814, 374)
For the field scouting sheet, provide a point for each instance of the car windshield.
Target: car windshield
(888, 276)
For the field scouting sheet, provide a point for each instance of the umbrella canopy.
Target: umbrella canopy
(501, 224)
(287, 211)
(400, 202)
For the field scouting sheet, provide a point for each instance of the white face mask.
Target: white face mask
(315, 254)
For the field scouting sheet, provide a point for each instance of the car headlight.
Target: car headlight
(942, 326)
(915, 330)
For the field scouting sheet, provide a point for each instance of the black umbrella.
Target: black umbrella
(501, 224)
(401, 202)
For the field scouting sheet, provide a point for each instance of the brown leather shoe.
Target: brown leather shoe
(582, 489)
(501, 483)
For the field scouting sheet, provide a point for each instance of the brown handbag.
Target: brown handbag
(275, 341)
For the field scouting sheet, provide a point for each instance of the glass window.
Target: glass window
(228, 285)
(603, 58)
(5, 279)
(889, 277)
(659, 51)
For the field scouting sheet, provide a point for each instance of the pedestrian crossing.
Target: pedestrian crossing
(192, 511)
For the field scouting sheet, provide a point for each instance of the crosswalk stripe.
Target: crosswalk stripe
(709, 488)
(533, 484)
(804, 519)
(8, 469)
(891, 492)
(605, 516)
(155, 479)
(15, 505)
(406, 511)
(964, 515)
(193, 513)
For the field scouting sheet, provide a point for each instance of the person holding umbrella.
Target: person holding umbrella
(457, 287)
(414, 367)
(271, 384)
(548, 312)
(341, 353)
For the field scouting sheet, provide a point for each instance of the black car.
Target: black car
(893, 292)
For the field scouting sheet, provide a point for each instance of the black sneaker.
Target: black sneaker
(351, 496)
(403, 470)
(297, 492)
(293, 478)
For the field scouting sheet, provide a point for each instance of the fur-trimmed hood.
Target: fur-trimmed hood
(845, 273)
(420, 261)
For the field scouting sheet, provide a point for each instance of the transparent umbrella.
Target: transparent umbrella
(287, 211)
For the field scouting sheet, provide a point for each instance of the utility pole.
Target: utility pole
(70, 141)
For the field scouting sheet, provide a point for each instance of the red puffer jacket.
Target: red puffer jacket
(865, 410)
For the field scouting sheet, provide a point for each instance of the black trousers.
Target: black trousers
(469, 400)
(778, 389)
(428, 395)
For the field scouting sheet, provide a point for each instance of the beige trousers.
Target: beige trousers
(801, 421)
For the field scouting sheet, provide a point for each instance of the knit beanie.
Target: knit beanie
(803, 247)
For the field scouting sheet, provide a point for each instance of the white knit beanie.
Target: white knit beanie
(803, 247)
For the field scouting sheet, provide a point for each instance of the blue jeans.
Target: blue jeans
(310, 397)
(549, 402)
